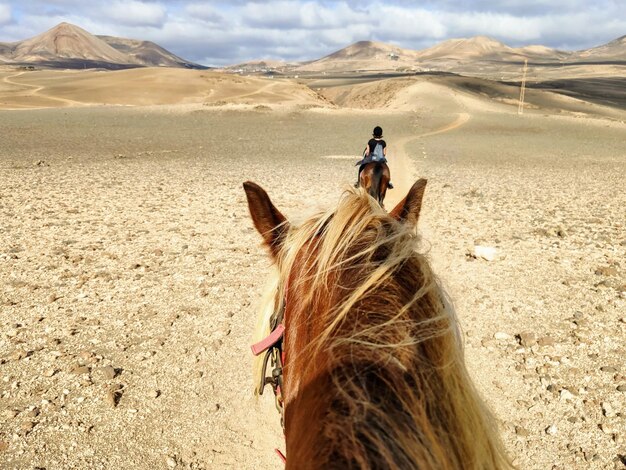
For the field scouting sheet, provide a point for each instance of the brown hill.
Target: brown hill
(539, 53)
(483, 48)
(479, 47)
(366, 50)
(5, 50)
(377, 56)
(612, 51)
(363, 56)
(263, 65)
(65, 41)
(478, 55)
(70, 46)
(146, 53)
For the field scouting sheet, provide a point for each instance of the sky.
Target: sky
(227, 32)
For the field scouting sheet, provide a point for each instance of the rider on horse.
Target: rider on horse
(376, 151)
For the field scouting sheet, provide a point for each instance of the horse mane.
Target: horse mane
(382, 339)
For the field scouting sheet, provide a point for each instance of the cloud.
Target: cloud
(219, 32)
(306, 15)
(529, 7)
(401, 24)
(274, 15)
(5, 14)
(134, 13)
(502, 26)
(204, 12)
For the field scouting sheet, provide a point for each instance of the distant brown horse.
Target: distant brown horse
(373, 373)
(374, 177)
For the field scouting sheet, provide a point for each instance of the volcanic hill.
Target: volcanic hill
(69, 46)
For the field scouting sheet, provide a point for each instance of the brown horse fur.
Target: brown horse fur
(374, 178)
(374, 374)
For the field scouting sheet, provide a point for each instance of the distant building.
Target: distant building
(393, 56)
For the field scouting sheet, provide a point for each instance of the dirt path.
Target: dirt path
(403, 170)
(256, 92)
(36, 91)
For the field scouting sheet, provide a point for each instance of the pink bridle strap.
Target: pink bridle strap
(281, 455)
(266, 343)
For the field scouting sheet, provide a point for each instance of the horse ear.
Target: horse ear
(268, 220)
(408, 210)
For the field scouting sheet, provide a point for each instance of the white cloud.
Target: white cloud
(135, 13)
(271, 15)
(306, 15)
(409, 24)
(341, 37)
(219, 31)
(341, 15)
(502, 26)
(204, 12)
(5, 13)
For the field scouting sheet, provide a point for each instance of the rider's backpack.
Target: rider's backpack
(378, 154)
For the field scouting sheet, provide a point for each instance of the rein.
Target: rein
(272, 346)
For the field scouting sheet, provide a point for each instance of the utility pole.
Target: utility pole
(522, 92)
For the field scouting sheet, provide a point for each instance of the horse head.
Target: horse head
(374, 375)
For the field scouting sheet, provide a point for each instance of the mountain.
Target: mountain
(539, 53)
(468, 55)
(612, 51)
(70, 46)
(263, 65)
(479, 47)
(147, 53)
(377, 56)
(483, 48)
(362, 56)
(5, 50)
(366, 50)
(65, 41)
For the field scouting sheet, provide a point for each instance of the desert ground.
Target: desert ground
(131, 272)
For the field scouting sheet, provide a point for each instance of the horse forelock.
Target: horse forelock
(350, 254)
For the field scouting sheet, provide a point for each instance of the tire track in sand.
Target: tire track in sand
(36, 91)
(263, 89)
(403, 170)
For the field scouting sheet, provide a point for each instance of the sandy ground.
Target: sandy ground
(130, 271)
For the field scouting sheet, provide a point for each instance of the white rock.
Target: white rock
(552, 429)
(566, 395)
(530, 361)
(485, 252)
(607, 410)
(607, 428)
(501, 336)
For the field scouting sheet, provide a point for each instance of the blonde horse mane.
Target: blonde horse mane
(361, 254)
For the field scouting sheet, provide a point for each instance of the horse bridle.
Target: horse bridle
(272, 346)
